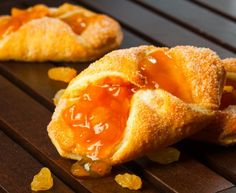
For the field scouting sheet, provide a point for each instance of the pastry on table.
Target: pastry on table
(66, 33)
(137, 100)
(222, 129)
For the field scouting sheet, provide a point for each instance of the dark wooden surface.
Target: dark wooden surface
(218, 6)
(26, 102)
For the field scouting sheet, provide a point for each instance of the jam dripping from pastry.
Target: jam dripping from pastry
(229, 94)
(75, 19)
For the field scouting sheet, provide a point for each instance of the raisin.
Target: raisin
(65, 74)
(129, 181)
(90, 168)
(42, 181)
(165, 156)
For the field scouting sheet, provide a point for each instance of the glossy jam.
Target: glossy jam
(20, 17)
(77, 22)
(158, 70)
(229, 97)
(99, 117)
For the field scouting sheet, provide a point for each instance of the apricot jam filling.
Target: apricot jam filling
(99, 117)
(20, 17)
(158, 70)
(77, 21)
(229, 93)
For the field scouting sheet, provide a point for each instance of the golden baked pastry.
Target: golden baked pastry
(222, 129)
(66, 33)
(136, 100)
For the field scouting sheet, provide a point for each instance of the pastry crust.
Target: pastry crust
(50, 38)
(229, 64)
(222, 129)
(157, 118)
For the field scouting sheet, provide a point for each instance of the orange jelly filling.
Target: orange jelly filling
(228, 97)
(77, 22)
(158, 70)
(99, 117)
(20, 17)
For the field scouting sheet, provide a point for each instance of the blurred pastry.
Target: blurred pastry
(66, 33)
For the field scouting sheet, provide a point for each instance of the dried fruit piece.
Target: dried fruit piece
(58, 96)
(165, 156)
(88, 167)
(228, 88)
(231, 76)
(65, 74)
(42, 181)
(129, 181)
(77, 169)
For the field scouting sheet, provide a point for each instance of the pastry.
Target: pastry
(66, 33)
(137, 100)
(222, 129)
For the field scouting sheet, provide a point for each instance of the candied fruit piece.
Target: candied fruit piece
(42, 181)
(58, 96)
(65, 74)
(165, 156)
(129, 181)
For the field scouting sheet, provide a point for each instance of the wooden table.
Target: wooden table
(26, 102)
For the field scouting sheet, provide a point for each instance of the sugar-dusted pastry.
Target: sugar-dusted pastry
(66, 33)
(136, 100)
(222, 129)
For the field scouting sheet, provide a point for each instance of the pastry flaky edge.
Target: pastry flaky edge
(157, 118)
(51, 39)
(222, 129)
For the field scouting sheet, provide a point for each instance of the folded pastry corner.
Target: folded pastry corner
(66, 33)
(222, 129)
(137, 100)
